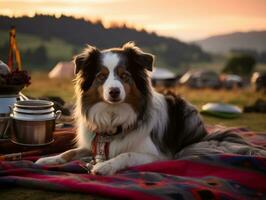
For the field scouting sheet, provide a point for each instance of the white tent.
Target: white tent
(162, 73)
(62, 70)
(163, 77)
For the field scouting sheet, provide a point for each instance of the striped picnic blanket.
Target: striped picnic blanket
(203, 177)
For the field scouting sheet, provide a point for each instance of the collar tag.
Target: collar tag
(100, 147)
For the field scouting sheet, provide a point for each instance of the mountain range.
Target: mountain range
(252, 40)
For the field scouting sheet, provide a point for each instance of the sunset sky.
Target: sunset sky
(184, 19)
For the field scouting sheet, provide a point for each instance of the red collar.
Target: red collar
(100, 147)
(101, 143)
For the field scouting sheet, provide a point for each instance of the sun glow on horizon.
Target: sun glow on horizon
(185, 20)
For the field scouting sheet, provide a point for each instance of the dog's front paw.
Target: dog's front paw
(104, 168)
(50, 160)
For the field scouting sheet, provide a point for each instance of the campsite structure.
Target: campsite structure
(201, 79)
(163, 77)
(62, 70)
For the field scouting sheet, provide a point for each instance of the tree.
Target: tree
(240, 65)
(262, 57)
(4, 52)
(39, 56)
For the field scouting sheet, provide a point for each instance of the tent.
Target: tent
(231, 81)
(201, 79)
(162, 73)
(163, 77)
(62, 70)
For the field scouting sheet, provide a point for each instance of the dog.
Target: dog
(121, 120)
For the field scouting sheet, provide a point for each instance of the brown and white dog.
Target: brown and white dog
(117, 105)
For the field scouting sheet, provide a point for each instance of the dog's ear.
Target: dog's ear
(144, 59)
(87, 57)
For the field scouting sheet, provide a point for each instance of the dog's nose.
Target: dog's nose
(114, 92)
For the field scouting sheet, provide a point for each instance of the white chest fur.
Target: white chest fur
(108, 116)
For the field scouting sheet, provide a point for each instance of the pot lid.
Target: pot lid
(33, 111)
(34, 104)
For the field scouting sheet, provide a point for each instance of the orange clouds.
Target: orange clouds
(185, 19)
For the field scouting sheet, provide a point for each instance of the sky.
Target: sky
(187, 20)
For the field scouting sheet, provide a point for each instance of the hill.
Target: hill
(253, 40)
(75, 33)
(56, 48)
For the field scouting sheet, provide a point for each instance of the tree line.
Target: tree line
(80, 32)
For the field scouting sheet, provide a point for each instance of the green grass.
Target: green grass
(239, 97)
(43, 86)
(252, 121)
(57, 49)
(216, 65)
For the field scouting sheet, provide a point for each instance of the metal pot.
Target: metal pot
(33, 122)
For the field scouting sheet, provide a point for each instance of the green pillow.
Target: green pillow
(221, 110)
(220, 114)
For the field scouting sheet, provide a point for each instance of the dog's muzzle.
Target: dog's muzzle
(114, 94)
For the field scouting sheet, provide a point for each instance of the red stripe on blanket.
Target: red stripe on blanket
(195, 169)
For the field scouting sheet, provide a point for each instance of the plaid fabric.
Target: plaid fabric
(205, 177)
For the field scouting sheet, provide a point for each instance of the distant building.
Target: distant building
(201, 79)
(163, 77)
(230, 81)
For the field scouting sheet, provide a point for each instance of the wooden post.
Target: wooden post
(13, 49)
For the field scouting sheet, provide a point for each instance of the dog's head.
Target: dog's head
(116, 76)
(113, 75)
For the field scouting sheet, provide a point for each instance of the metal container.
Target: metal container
(33, 122)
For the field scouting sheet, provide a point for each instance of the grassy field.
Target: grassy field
(216, 65)
(42, 86)
(57, 49)
(241, 98)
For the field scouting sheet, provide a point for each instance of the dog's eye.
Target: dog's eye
(101, 77)
(125, 76)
